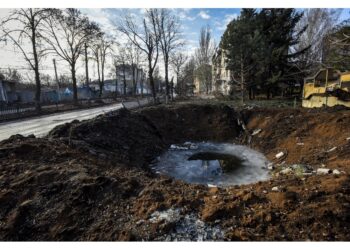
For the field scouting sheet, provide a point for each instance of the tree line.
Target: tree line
(70, 36)
(271, 46)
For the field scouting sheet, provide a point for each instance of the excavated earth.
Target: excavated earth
(90, 180)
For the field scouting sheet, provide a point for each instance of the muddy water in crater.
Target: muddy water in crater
(219, 164)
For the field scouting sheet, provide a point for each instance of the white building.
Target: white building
(221, 76)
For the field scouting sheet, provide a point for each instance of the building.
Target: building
(202, 80)
(221, 76)
(110, 85)
(7, 91)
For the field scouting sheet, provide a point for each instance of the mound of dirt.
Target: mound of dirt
(189, 122)
(88, 180)
(307, 137)
(119, 136)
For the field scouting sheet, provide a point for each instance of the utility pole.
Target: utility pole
(86, 66)
(57, 82)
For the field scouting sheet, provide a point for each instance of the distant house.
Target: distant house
(202, 80)
(110, 85)
(8, 91)
(221, 76)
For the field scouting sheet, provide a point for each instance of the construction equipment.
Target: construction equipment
(329, 87)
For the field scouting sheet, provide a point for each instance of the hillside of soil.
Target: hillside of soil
(90, 180)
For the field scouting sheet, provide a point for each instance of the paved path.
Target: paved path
(40, 126)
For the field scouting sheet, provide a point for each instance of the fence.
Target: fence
(20, 110)
(15, 110)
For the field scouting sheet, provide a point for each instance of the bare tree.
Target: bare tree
(100, 49)
(203, 55)
(121, 63)
(66, 33)
(28, 30)
(93, 32)
(178, 62)
(169, 29)
(116, 72)
(145, 36)
(134, 58)
(319, 24)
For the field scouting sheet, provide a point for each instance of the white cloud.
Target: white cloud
(101, 17)
(204, 14)
(228, 18)
(184, 15)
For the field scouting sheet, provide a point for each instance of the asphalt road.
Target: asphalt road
(40, 126)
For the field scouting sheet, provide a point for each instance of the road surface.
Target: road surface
(40, 126)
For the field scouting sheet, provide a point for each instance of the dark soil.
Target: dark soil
(89, 180)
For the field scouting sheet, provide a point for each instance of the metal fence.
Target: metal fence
(15, 110)
(18, 110)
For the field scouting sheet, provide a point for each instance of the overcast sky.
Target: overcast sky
(192, 20)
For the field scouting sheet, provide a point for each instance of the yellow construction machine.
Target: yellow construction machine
(329, 87)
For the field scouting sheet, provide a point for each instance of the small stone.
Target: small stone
(264, 191)
(279, 155)
(348, 139)
(211, 185)
(286, 171)
(321, 171)
(275, 189)
(270, 166)
(140, 222)
(336, 171)
(300, 144)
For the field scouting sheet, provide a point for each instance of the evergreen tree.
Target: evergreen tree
(240, 43)
(258, 48)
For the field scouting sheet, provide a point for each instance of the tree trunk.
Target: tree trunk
(133, 80)
(242, 79)
(151, 82)
(36, 71)
(166, 66)
(124, 78)
(141, 83)
(75, 89)
(99, 79)
(86, 66)
(116, 83)
(37, 91)
(172, 88)
(102, 78)
(137, 80)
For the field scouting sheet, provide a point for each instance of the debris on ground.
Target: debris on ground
(279, 155)
(331, 150)
(256, 131)
(323, 171)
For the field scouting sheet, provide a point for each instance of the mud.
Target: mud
(90, 181)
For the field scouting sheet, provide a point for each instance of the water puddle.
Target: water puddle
(219, 164)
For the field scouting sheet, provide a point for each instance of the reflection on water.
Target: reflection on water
(219, 164)
(227, 162)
